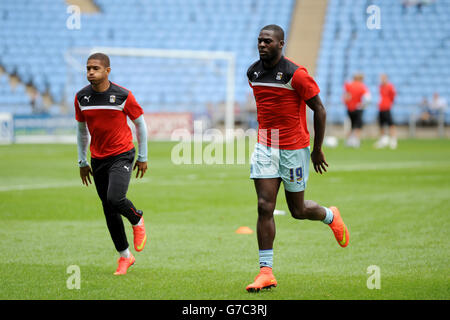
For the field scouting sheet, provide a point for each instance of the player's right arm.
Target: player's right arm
(82, 145)
(346, 97)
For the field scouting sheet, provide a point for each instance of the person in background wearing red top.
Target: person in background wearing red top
(387, 96)
(101, 110)
(356, 98)
(282, 89)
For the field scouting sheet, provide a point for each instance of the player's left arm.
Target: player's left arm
(308, 89)
(320, 116)
(394, 93)
(141, 132)
(133, 110)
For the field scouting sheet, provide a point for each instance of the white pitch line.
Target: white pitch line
(387, 166)
(193, 178)
(54, 185)
(21, 187)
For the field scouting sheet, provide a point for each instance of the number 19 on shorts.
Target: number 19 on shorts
(296, 174)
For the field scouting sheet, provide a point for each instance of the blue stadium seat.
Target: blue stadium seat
(169, 24)
(413, 49)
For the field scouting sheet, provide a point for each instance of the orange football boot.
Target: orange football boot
(339, 228)
(264, 280)
(124, 264)
(140, 238)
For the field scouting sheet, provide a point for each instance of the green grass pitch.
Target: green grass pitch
(395, 204)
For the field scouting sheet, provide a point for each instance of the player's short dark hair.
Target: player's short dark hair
(277, 30)
(101, 57)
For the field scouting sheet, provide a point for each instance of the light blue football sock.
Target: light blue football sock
(329, 216)
(266, 258)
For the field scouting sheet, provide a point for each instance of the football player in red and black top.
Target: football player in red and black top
(356, 97)
(282, 90)
(387, 97)
(101, 110)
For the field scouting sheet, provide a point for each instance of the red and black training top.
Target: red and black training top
(280, 94)
(106, 116)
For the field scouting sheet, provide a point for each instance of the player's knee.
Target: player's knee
(115, 202)
(298, 213)
(265, 207)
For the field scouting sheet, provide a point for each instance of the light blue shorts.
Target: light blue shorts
(292, 166)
